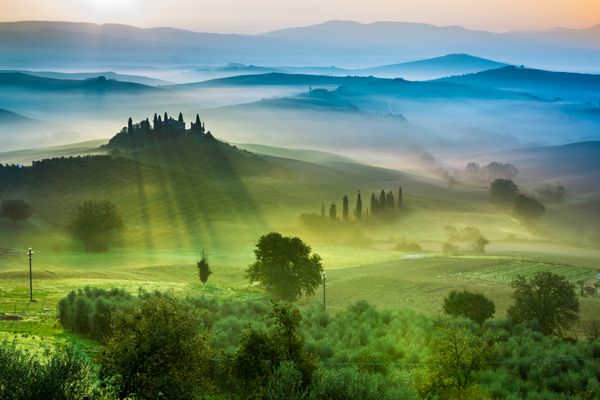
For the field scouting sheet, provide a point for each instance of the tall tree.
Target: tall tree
(130, 126)
(400, 199)
(382, 201)
(180, 118)
(166, 118)
(332, 211)
(155, 122)
(204, 270)
(358, 209)
(374, 205)
(345, 209)
(285, 266)
(546, 298)
(391, 202)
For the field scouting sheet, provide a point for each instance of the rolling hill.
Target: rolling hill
(143, 80)
(438, 67)
(547, 84)
(9, 117)
(31, 83)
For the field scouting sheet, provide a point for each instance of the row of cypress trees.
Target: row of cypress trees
(385, 203)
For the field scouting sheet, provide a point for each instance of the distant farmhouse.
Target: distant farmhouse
(162, 128)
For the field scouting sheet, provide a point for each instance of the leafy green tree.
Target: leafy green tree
(16, 210)
(156, 351)
(458, 353)
(345, 208)
(261, 353)
(503, 191)
(548, 299)
(528, 208)
(285, 266)
(96, 224)
(474, 306)
(203, 268)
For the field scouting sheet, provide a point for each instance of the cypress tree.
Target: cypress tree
(180, 118)
(332, 211)
(400, 200)
(358, 210)
(130, 126)
(391, 203)
(374, 205)
(155, 122)
(166, 117)
(345, 211)
(382, 201)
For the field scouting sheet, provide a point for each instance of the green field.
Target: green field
(179, 200)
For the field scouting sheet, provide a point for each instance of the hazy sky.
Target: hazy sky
(255, 16)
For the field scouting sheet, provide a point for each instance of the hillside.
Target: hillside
(21, 81)
(143, 80)
(438, 67)
(547, 84)
(273, 79)
(9, 117)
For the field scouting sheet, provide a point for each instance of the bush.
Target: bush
(156, 350)
(88, 311)
(64, 375)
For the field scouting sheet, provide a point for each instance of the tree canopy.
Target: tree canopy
(156, 351)
(503, 191)
(528, 208)
(96, 224)
(546, 298)
(16, 210)
(474, 306)
(285, 266)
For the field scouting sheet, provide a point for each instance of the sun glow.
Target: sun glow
(112, 7)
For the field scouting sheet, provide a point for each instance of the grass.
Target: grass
(173, 211)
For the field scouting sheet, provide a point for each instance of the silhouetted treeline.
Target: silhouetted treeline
(162, 128)
(382, 203)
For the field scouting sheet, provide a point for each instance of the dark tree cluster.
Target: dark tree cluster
(384, 203)
(96, 224)
(506, 193)
(162, 128)
(16, 210)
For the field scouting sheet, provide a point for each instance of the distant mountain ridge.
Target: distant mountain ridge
(329, 43)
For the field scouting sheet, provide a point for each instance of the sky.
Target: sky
(257, 16)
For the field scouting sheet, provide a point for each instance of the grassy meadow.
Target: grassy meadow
(173, 209)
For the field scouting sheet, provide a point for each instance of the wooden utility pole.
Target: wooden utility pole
(30, 253)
